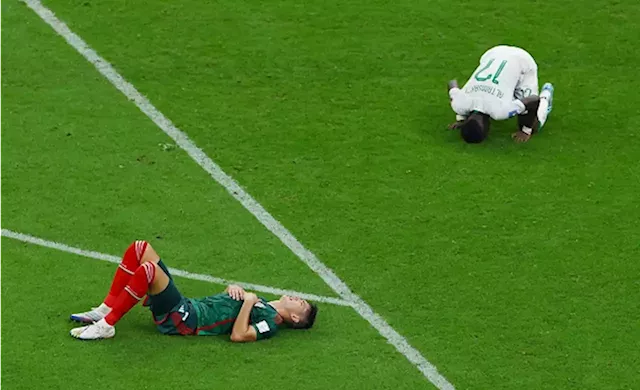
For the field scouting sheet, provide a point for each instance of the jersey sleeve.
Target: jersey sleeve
(459, 102)
(265, 329)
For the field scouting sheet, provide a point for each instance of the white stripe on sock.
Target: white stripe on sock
(122, 267)
(127, 289)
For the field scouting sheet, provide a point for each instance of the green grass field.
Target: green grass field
(507, 266)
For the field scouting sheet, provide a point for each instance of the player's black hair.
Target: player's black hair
(309, 319)
(475, 129)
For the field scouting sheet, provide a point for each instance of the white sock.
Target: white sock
(104, 309)
(542, 109)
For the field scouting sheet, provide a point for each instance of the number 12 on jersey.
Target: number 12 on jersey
(487, 74)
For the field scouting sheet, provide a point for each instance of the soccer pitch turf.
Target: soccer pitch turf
(506, 266)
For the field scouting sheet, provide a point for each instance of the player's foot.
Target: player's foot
(547, 93)
(546, 96)
(93, 315)
(96, 331)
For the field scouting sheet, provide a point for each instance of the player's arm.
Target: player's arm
(453, 85)
(242, 331)
(528, 121)
(531, 102)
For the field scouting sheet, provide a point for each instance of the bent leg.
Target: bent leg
(148, 277)
(131, 260)
(546, 103)
(133, 292)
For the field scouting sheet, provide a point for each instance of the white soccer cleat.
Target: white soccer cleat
(547, 93)
(546, 104)
(93, 315)
(96, 331)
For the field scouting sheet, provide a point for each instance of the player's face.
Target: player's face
(296, 306)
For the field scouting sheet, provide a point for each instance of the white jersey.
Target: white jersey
(505, 75)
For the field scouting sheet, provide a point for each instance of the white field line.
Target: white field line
(174, 271)
(234, 189)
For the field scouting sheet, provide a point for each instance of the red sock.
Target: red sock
(129, 264)
(132, 292)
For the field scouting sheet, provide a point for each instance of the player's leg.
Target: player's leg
(529, 85)
(148, 277)
(130, 262)
(546, 104)
(137, 253)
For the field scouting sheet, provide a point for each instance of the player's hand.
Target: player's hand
(250, 298)
(456, 125)
(520, 136)
(236, 292)
(452, 84)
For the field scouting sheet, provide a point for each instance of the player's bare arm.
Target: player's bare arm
(242, 331)
(531, 102)
(527, 123)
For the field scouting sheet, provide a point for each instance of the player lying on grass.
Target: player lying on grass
(241, 314)
(504, 85)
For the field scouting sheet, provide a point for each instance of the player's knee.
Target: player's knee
(160, 279)
(137, 249)
(151, 270)
(143, 251)
(148, 254)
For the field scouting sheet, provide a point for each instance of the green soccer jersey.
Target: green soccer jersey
(217, 313)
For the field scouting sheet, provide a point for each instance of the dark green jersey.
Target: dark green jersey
(217, 314)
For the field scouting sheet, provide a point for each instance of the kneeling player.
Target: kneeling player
(240, 314)
(504, 85)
